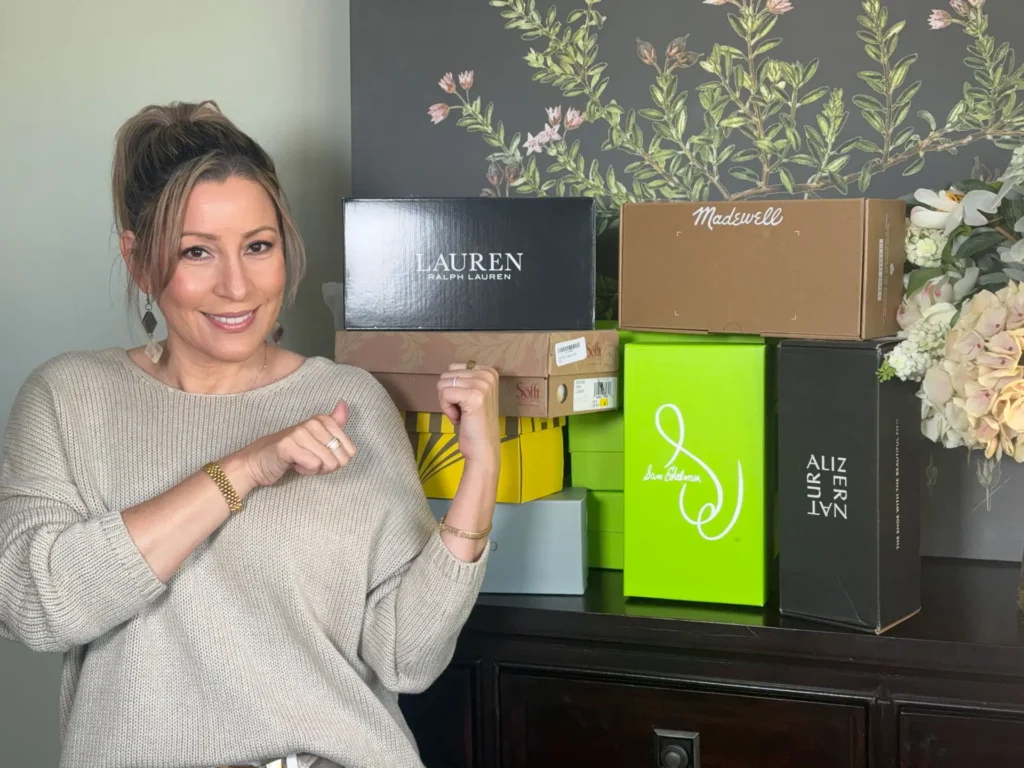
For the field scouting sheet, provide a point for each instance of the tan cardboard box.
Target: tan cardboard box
(822, 269)
(543, 374)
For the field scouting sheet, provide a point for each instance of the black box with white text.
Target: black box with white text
(849, 497)
(470, 264)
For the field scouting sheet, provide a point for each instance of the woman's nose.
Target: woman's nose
(233, 281)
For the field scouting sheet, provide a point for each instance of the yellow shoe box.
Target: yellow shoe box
(532, 456)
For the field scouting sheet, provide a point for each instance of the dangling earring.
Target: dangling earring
(153, 349)
(277, 333)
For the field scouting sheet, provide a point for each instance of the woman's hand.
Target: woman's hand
(468, 395)
(305, 447)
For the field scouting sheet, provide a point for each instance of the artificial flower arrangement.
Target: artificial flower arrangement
(962, 317)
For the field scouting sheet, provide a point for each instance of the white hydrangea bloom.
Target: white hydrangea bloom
(924, 246)
(923, 343)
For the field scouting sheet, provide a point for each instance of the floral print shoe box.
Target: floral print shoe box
(696, 521)
(796, 268)
(850, 449)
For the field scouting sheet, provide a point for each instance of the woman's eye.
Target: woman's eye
(195, 252)
(261, 247)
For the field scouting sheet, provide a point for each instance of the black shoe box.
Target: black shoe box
(849, 492)
(470, 264)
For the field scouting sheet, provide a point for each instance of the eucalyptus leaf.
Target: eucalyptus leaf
(1012, 211)
(980, 242)
(995, 278)
(919, 277)
(851, 145)
(787, 179)
(768, 45)
(813, 96)
(864, 180)
(915, 166)
(875, 81)
(970, 185)
(874, 120)
(839, 182)
(747, 155)
(928, 117)
(908, 93)
(868, 103)
(900, 70)
(735, 120)
(895, 29)
(744, 174)
(951, 241)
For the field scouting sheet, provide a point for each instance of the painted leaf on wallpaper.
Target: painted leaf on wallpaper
(761, 125)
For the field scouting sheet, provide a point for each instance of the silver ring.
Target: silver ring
(334, 445)
(455, 381)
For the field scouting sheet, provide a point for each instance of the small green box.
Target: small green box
(604, 550)
(601, 431)
(596, 471)
(695, 517)
(606, 511)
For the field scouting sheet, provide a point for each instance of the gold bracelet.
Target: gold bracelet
(226, 488)
(442, 526)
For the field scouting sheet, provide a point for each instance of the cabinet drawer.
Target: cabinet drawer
(547, 720)
(934, 740)
(442, 718)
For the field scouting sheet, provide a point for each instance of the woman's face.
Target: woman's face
(229, 284)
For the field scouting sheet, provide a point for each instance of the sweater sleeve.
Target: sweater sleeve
(420, 595)
(68, 574)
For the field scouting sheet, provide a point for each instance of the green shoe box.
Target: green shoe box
(603, 431)
(696, 472)
(605, 525)
(597, 432)
(604, 549)
(598, 471)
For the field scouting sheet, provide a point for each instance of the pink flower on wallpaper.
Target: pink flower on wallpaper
(511, 174)
(977, 3)
(438, 112)
(715, 2)
(537, 143)
(939, 19)
(779, 7)
(573, 119)
(447, 83)
(554, 114)
(466, 80)
(960, 6)
(534, 143)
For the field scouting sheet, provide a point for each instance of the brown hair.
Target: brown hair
(161, 154)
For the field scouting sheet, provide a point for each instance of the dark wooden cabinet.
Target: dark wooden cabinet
(943, 740)
(549, 720)
(599, 680)
(444, 718)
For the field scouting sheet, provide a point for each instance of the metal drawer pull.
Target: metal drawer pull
(676, 749)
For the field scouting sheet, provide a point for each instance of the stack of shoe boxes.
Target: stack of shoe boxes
(507, 283)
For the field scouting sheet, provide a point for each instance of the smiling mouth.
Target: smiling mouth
(234, 321)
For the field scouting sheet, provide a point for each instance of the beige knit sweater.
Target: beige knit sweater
(291, 629)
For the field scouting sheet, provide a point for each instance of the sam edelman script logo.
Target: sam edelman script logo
(470, 265)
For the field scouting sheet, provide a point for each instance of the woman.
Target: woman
(228, 542)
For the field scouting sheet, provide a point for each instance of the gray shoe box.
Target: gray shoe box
(537, 548)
